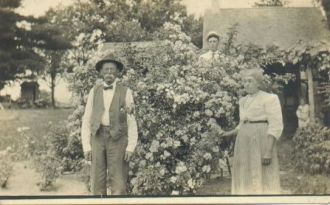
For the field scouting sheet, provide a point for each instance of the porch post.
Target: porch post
(311, 94)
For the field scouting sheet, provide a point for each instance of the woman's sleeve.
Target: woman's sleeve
(274, 116)
(241, 111)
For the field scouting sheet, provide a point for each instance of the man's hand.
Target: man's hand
(128, 155)
(88, 156)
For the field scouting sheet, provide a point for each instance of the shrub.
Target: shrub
(50, 168)
(65, 148)
(54, 153)
(6, 168)
(317, 184)
(312, 149)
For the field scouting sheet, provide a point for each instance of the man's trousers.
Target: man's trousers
(108, 158)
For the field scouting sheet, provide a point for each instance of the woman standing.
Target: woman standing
(255, 163)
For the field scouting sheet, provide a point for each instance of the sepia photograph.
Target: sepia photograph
(164, 101)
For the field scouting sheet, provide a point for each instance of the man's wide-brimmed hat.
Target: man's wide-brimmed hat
(212, 34)
(109, 58)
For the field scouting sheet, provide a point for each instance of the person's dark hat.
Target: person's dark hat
(212, 34)
(110, 58)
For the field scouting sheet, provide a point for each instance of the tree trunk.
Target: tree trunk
(311, 94)
(53, 72)
(52, 87)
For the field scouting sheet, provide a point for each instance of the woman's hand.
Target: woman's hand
(267, 158)
(229, 134)
(216, 129)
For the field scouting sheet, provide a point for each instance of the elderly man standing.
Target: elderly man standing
(109, 129)
(213, 55)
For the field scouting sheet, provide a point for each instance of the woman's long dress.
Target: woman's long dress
(260, 115)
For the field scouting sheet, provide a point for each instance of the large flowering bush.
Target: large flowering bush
(177, 101)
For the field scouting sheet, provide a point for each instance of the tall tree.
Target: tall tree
(51, 45)
(325, 6)
(16, 47)
(133, 20)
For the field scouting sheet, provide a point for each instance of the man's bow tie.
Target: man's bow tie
(107, 87)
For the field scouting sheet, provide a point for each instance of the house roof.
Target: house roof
(26, 84)
(114, 46)
(281, 26)
(139, 45)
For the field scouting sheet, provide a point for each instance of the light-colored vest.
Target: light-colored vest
(117, 112)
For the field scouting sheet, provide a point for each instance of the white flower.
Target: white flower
(206, 168)
(162, 172)
(142, 163)
(175, 192)
(141, 85)
(207, 156)
(196, 114)
(163, 145)
(134, 180)
(208, 112)
(193, 141)
(176, 143)
(181, 167)
(154, 146)
(191, 183)
(184, 138)
(149, 155)
(166, 154)
(215, 149)
(159, 135)
(173, 179)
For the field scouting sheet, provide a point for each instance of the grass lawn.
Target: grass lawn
(37, 120)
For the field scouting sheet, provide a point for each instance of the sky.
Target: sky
(38, 7)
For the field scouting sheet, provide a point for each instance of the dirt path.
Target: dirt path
(24, 179)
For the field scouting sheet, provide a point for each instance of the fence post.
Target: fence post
(311, 94)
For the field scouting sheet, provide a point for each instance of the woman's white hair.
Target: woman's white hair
(256, 73)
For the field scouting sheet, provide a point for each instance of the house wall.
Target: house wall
(279, 26)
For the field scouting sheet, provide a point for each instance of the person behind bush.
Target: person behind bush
(109, 130)
(255, 164)
(213, 55)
